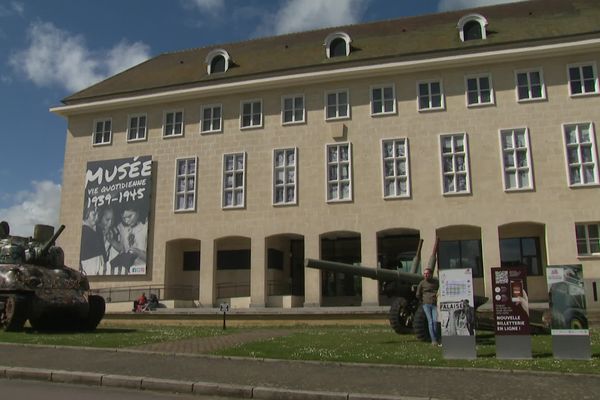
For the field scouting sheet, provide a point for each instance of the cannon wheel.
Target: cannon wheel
(95, 314)
(401, 319)
(420, 325)
(14, 315)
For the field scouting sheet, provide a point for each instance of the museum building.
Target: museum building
(475, 128)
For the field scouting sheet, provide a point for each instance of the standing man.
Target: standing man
(427, 294)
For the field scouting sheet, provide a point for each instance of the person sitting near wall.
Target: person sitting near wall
(138, 305)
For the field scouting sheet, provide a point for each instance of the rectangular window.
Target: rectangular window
(284, 176)
(102, 132)
(137, 128)
(581, 153)
(233, 259)
(251, 114)
(522, 251)
(430, 96)
(588, 239)
(455, 164)
(383, 100)
(583, 79)
(479, 90)
(394, 153)
(516, 159)
(530, 85)
(185, 184)
(339, 175)
(173, 124)
(212, 118)
(191, 261)
(461, 254)
(292, 109)
(337, 105)
(234, 180)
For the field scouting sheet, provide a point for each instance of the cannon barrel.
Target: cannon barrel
(378, 274)
(52, 240)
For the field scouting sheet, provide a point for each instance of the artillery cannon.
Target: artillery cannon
(406, 314)
(35, 285)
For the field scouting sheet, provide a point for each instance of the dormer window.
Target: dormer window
(217, 61)
(472, 27)
(337, 45)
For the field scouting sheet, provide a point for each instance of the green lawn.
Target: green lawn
(361, 344)
(378, 344)
(107, 336)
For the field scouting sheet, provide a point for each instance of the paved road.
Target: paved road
(292, 376)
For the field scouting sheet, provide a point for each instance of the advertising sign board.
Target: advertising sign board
(511, 312)
(569, 323)
(457, 314)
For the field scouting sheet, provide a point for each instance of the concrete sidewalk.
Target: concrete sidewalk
(179, 367)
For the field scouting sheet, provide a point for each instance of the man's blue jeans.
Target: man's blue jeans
(431, 313)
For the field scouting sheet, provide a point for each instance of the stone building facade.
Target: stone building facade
(477, 128)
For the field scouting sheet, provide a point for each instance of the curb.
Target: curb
(184, 387)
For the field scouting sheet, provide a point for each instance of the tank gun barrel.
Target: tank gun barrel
(52, 240)
(378, 274)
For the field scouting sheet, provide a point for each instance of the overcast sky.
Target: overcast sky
(52, 48)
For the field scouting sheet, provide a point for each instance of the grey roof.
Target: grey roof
(509, 25)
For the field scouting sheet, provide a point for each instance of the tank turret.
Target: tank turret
(35, 284)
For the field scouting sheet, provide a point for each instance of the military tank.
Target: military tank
(35, 285)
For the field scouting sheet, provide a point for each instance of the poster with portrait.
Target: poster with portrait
(457, 314)
(511, 304)
(114, 233)
(566, 297)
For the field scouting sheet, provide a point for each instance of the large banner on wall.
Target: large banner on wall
(115, 216)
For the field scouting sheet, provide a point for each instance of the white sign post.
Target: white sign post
(457, 313)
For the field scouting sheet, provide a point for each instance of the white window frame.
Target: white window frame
(338, 182)
(383, 100)
(138, 138)
(186, 192)
(212, 55)
(512, 152)
(337, 104)
(285, 168)
(581, 164)
(479, 101)
(233, 189)
(586, 239)
(293, 110)
(396, 176)
(454, 157)
(429, 96)
(580, 66)
(164, 129)
(103, 142)
(212, 108)
(333, 36)
(253, 112)
(528, 73)
(480, 19)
